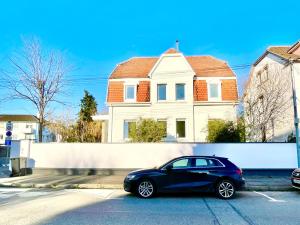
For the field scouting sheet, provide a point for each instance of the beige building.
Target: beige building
(183, 92)
(268, 98)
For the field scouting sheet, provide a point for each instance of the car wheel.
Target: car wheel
(225, 189)
(145, 189)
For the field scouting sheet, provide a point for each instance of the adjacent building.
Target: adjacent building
(269, 101)
(23, 127)
(183, 92)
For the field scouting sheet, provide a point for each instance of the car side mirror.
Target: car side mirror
(169, 168)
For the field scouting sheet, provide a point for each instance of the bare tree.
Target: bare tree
(36, 77)
(267, 100)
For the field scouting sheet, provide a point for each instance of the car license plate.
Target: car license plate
(296, 181)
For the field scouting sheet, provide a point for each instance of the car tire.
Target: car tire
(145, 188)
(225, 189)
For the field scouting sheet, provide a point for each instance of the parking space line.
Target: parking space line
(268, 197)
(216, 220)
(244, 217)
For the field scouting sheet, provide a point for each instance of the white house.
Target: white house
(23, 127)
(277, 70)
(183, 92)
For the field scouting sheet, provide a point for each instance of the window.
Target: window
(130, 92)
(263, 75)
(181, 163)
(161, 92)
(180, 128)
(214, 91)
(129, 127)
(164, 124)
(180, 91)
(28, 125)
(200, 162)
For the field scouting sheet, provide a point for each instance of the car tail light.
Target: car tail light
(239, 171)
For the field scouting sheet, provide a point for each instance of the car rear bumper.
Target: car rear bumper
(240, 184)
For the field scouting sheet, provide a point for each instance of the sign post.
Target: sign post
(8, 137)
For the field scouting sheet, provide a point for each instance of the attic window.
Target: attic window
(263, 75)
(130, 93)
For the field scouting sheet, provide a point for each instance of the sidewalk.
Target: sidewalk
(253, 182)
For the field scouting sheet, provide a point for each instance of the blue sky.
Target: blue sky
(96, 35)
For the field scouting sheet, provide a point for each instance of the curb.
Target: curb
(64, 186)
(120, 186)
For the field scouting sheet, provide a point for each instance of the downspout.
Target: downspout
(193, 122)
(111, 125)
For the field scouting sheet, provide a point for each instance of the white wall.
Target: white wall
(75, 155)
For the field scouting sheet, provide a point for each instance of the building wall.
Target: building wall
(283, 124)
(171, 70)
(196, 118)
(83, 155)
(20, 129)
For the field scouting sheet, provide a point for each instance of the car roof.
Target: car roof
(201, 156)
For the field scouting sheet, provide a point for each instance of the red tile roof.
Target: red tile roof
(204, 66)
(171, 51)
(134, 68)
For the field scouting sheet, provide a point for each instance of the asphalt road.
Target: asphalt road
(94, 206)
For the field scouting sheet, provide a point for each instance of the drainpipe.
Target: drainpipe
(111, 123)
(296, 119)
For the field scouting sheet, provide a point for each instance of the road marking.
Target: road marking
(244, 217)
(268, 197)
(216, 220)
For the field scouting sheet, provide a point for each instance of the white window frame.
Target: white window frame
(185, 131)
(125, 92)
(184, 90)
(164, 120)
(157, 95)
(219, 98)
(128, 121)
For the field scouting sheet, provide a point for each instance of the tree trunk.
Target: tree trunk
(263, 135)
(41, 126)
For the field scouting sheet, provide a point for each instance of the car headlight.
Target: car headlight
(130, 177)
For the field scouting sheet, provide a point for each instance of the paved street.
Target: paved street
(95, 206)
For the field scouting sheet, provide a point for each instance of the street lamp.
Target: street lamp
(296, 119)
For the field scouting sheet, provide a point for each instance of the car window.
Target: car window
(201, 163)
(181, 163)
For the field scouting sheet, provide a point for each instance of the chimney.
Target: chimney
(177, 45)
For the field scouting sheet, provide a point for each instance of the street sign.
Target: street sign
(9, 126)
(7, 142)
(8, 133)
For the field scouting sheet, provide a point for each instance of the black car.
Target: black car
(296, 178)
(187, 173)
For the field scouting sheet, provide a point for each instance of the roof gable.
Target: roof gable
(203, 66)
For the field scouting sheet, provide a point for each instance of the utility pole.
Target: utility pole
(296, 120)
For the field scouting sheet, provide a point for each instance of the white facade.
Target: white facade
(21, 130)
(171, 69)
(283, 124)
